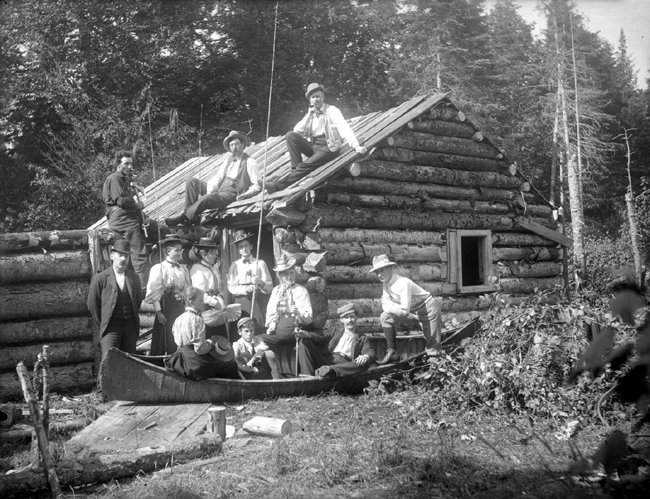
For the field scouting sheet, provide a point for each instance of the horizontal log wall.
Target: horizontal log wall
(44, 282)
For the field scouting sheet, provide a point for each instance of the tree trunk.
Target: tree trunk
(371, 236)
(375, 218)
(577, 222)
(443, 128)
(27, 301)
(344, 254)
(416, 272)
(378, 186)
(63, 379)
(520, 239)
(60, 353)
(446, 145)
(44, 267)
(439, 160)
(46, 330)
(107, 467)
(634, 236)
(39, 241)
(430, 174)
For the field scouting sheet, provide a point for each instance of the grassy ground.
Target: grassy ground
(379, 447)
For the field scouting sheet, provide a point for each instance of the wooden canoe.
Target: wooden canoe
(143, 379)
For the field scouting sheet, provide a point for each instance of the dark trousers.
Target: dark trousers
(162, 337)
(317, 155)
(187, 362)
(197, 200)
(311, 358)
(121, 334)
(129, 226)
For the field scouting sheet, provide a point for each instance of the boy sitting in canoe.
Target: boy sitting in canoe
(254, 364)
(199, 358)
(335, 354)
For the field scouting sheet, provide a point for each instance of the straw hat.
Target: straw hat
(283, 263)
(171, 238)
(240, 236)
(222, 348)
(380, 262)
(314, 87)
(235, 135)
(206, 242)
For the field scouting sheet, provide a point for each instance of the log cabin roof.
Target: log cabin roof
(165, 197)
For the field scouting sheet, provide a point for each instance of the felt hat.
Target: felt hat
(241, 235)
(171, 238)
(379, 262)
(347, 309)
(122, 246)
(222, 348)
(206, 242)
(314, 87)
(244, 321)
(283, 263)
(234, 134)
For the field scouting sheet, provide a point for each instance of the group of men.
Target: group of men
(116, 294)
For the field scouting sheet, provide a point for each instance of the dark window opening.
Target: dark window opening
(472, 260)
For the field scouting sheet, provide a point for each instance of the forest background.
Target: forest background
(79, 80)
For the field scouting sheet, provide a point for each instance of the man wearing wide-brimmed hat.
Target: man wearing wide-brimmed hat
(403, 301)
(319, 136)
(247, 276)
(114, 301)
(238, 178)
(168, 280)
(204, 275)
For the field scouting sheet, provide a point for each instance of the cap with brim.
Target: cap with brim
(206, 242)
(122, 246)
(171, 239)
(222, 348)
(234, 135)
(380, 262)
(313, 87)
(284, 263)
(347, 309)
(245, 321)
(240, 236)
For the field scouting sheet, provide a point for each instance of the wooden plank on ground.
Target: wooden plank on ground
(540, 230)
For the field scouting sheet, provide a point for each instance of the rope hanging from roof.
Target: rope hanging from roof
(266, 152)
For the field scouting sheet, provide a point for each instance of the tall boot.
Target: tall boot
(391, 350)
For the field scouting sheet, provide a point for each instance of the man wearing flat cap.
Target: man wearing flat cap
(319, 136)
(404, 301)
(114, 301)
(238, 178)
(336, 354)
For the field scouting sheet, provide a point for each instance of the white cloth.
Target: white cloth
(165, 276)
(241, 275)
(346, 345)
(189, 329)
(298, 296)
(230, 170)
(207, 279)
(335, 128)
(401, 295)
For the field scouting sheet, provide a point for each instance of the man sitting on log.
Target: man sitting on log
(335, 354)
(403, 301)
(319, 136)
(238, 178)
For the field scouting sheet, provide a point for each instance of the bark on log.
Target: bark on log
(440, 160)
(520, 239)
(446, 112)
(371, 290)
(281, 217)
(525, 253)
(62, 379)
(372, 236)
(26, 301)
(107, 467)
(416, 272)
(17, 435)
(537, 269)
(375, 218)
(375, 168)
(378, 186)
(46, 330)
(344, 254)
(44, 267)
(443, 128)
(60, 353)
(528, 285)
(446, 145)
(39, 241)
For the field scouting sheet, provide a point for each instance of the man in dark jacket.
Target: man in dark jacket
(124, 213)
(336, 354)
(114, 302)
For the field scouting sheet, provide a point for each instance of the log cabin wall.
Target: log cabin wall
(44, 282)
(436, 176)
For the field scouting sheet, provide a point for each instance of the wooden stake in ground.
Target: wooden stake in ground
(217, 421)
(43, 445)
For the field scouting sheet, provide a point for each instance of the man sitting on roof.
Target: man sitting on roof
(238, 178)
(319, 136)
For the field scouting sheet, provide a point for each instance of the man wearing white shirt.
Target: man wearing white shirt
(319, 136)
(238, 178)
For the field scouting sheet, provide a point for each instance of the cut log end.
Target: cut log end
(272, 427)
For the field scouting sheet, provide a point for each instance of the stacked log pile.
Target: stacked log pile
(437, 173)
(44, 280)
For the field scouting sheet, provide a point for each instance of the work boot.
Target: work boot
(391, 356)
(177, 220)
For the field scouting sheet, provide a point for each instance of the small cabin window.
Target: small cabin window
(470, 260)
